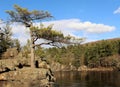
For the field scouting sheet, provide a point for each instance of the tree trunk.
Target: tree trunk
(32, 57)
(32, 51)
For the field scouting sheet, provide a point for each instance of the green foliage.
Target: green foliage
(17, 44)
(102, 49)
(52, 37)
(25, 16)
(26, 50)
(46, 33)
(39, 52)
(5, 38)
(95, 54)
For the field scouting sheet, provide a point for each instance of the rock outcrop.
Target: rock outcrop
(30, 75)
(14, 70)
(10, 53)
(85, 68)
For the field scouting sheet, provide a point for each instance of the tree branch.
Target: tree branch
(52, 43)
(36, 39)
(48, 43)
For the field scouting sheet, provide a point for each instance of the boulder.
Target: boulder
(43, 64)
(83, 68)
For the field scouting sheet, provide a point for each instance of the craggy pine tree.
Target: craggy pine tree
(50, 36)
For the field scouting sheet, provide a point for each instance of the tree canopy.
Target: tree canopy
(52, 37)
(23, 15)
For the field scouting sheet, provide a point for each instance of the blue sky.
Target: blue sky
(93, 19)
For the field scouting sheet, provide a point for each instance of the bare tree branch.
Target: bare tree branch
(47, 43)
(51, 43)
(36, 39)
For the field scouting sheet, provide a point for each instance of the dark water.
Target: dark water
(88, 79)
(75, 79)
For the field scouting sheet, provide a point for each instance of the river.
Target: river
(77, 79)
(88, 79)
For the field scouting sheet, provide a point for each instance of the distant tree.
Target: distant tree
(1, 39)
(51, 37)
(17, 44)
(39, 51)
(26, 49)
(5, 37)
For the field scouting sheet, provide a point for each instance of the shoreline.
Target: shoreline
(100, 69)
(85, 68)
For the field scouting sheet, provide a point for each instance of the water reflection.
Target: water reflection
(34, 83)
(88, 79)
(74, 79)
(19, 84)
(14, 84)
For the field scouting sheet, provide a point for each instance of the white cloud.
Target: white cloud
(21, 33)
(75, 25)
(117, 11)
(67, 26)
(96, 28)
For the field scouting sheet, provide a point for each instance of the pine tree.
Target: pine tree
(52, 37)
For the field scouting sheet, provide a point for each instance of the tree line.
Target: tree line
(104, 53)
